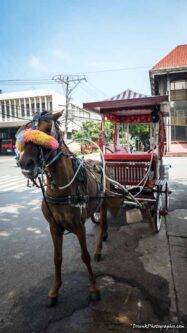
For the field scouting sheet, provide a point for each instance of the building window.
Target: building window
(49, 103)
(17, 108)
(179, 90)
(28, 109)
(38, 107)
(22, 109)
(32, 108)
(3, 110)
(7, 109)
(178, 85)
(179, 113)
(12, 109)
(43, 106)
(179, 133)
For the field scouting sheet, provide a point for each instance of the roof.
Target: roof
(120, 105)
(127, 94)
(175, 59)
(27, 93)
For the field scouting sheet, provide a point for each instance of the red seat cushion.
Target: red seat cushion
(128, 157)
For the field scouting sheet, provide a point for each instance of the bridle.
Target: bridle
(47, 158)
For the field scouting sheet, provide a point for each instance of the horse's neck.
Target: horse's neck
(62, 173)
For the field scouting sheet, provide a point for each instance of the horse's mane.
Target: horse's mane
(47, 116)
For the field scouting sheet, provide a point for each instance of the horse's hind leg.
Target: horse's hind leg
(94, 291)
(57, 236)
(103, 232)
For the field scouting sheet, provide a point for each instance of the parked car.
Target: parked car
(6, 146)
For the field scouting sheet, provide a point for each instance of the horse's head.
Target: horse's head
(38, 143)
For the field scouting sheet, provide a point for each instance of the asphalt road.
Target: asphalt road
(136, 278)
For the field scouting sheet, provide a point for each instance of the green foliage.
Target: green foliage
(91, 130)
(140, 132)
(109, 127)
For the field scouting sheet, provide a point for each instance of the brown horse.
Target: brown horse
(64, 208)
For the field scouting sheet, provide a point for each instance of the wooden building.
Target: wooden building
(169, 77)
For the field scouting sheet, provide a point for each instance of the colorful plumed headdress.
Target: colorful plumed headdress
(37, 137)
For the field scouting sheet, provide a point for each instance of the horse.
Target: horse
(66, 207)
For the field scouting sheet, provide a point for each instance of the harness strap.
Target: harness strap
(46, 202)
(71, 199)
(57, 156)
(45, 199)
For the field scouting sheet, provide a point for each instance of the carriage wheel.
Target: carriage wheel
(158, 212)
(96, 217)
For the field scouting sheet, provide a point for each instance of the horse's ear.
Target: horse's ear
(57, 115)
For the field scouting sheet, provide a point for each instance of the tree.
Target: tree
(109, 127)
(91, 130)
(140, 132)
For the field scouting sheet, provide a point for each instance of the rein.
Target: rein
(75, 200)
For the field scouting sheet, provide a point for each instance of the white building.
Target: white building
(16, 108)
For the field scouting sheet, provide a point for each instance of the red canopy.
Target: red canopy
(127, 107)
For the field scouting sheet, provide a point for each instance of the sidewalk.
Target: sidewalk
(176, 229)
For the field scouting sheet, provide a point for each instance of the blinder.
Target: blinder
(45, 116)
(46, 156)
(39, 116)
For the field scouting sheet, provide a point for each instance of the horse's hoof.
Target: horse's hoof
(105, 237)
(95, 296)
(52, 301)
(97, 257)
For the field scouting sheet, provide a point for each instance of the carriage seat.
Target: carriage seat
(118, 156)
(130, 169)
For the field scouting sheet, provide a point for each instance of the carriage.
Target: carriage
(142, 173)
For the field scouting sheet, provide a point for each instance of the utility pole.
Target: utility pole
(70, 82)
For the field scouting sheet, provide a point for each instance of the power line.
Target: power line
(89, 90)
(113, 70)
(77, 124)
(98, 89)
(27, 80)
(25, 83)
(51, 81)
(79, 117)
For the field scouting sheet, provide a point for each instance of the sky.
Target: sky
(42, 38)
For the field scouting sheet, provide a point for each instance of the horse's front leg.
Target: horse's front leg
(57, 237)
(94, 291)
(103, 232)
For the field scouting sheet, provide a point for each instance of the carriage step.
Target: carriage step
(133, 216)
